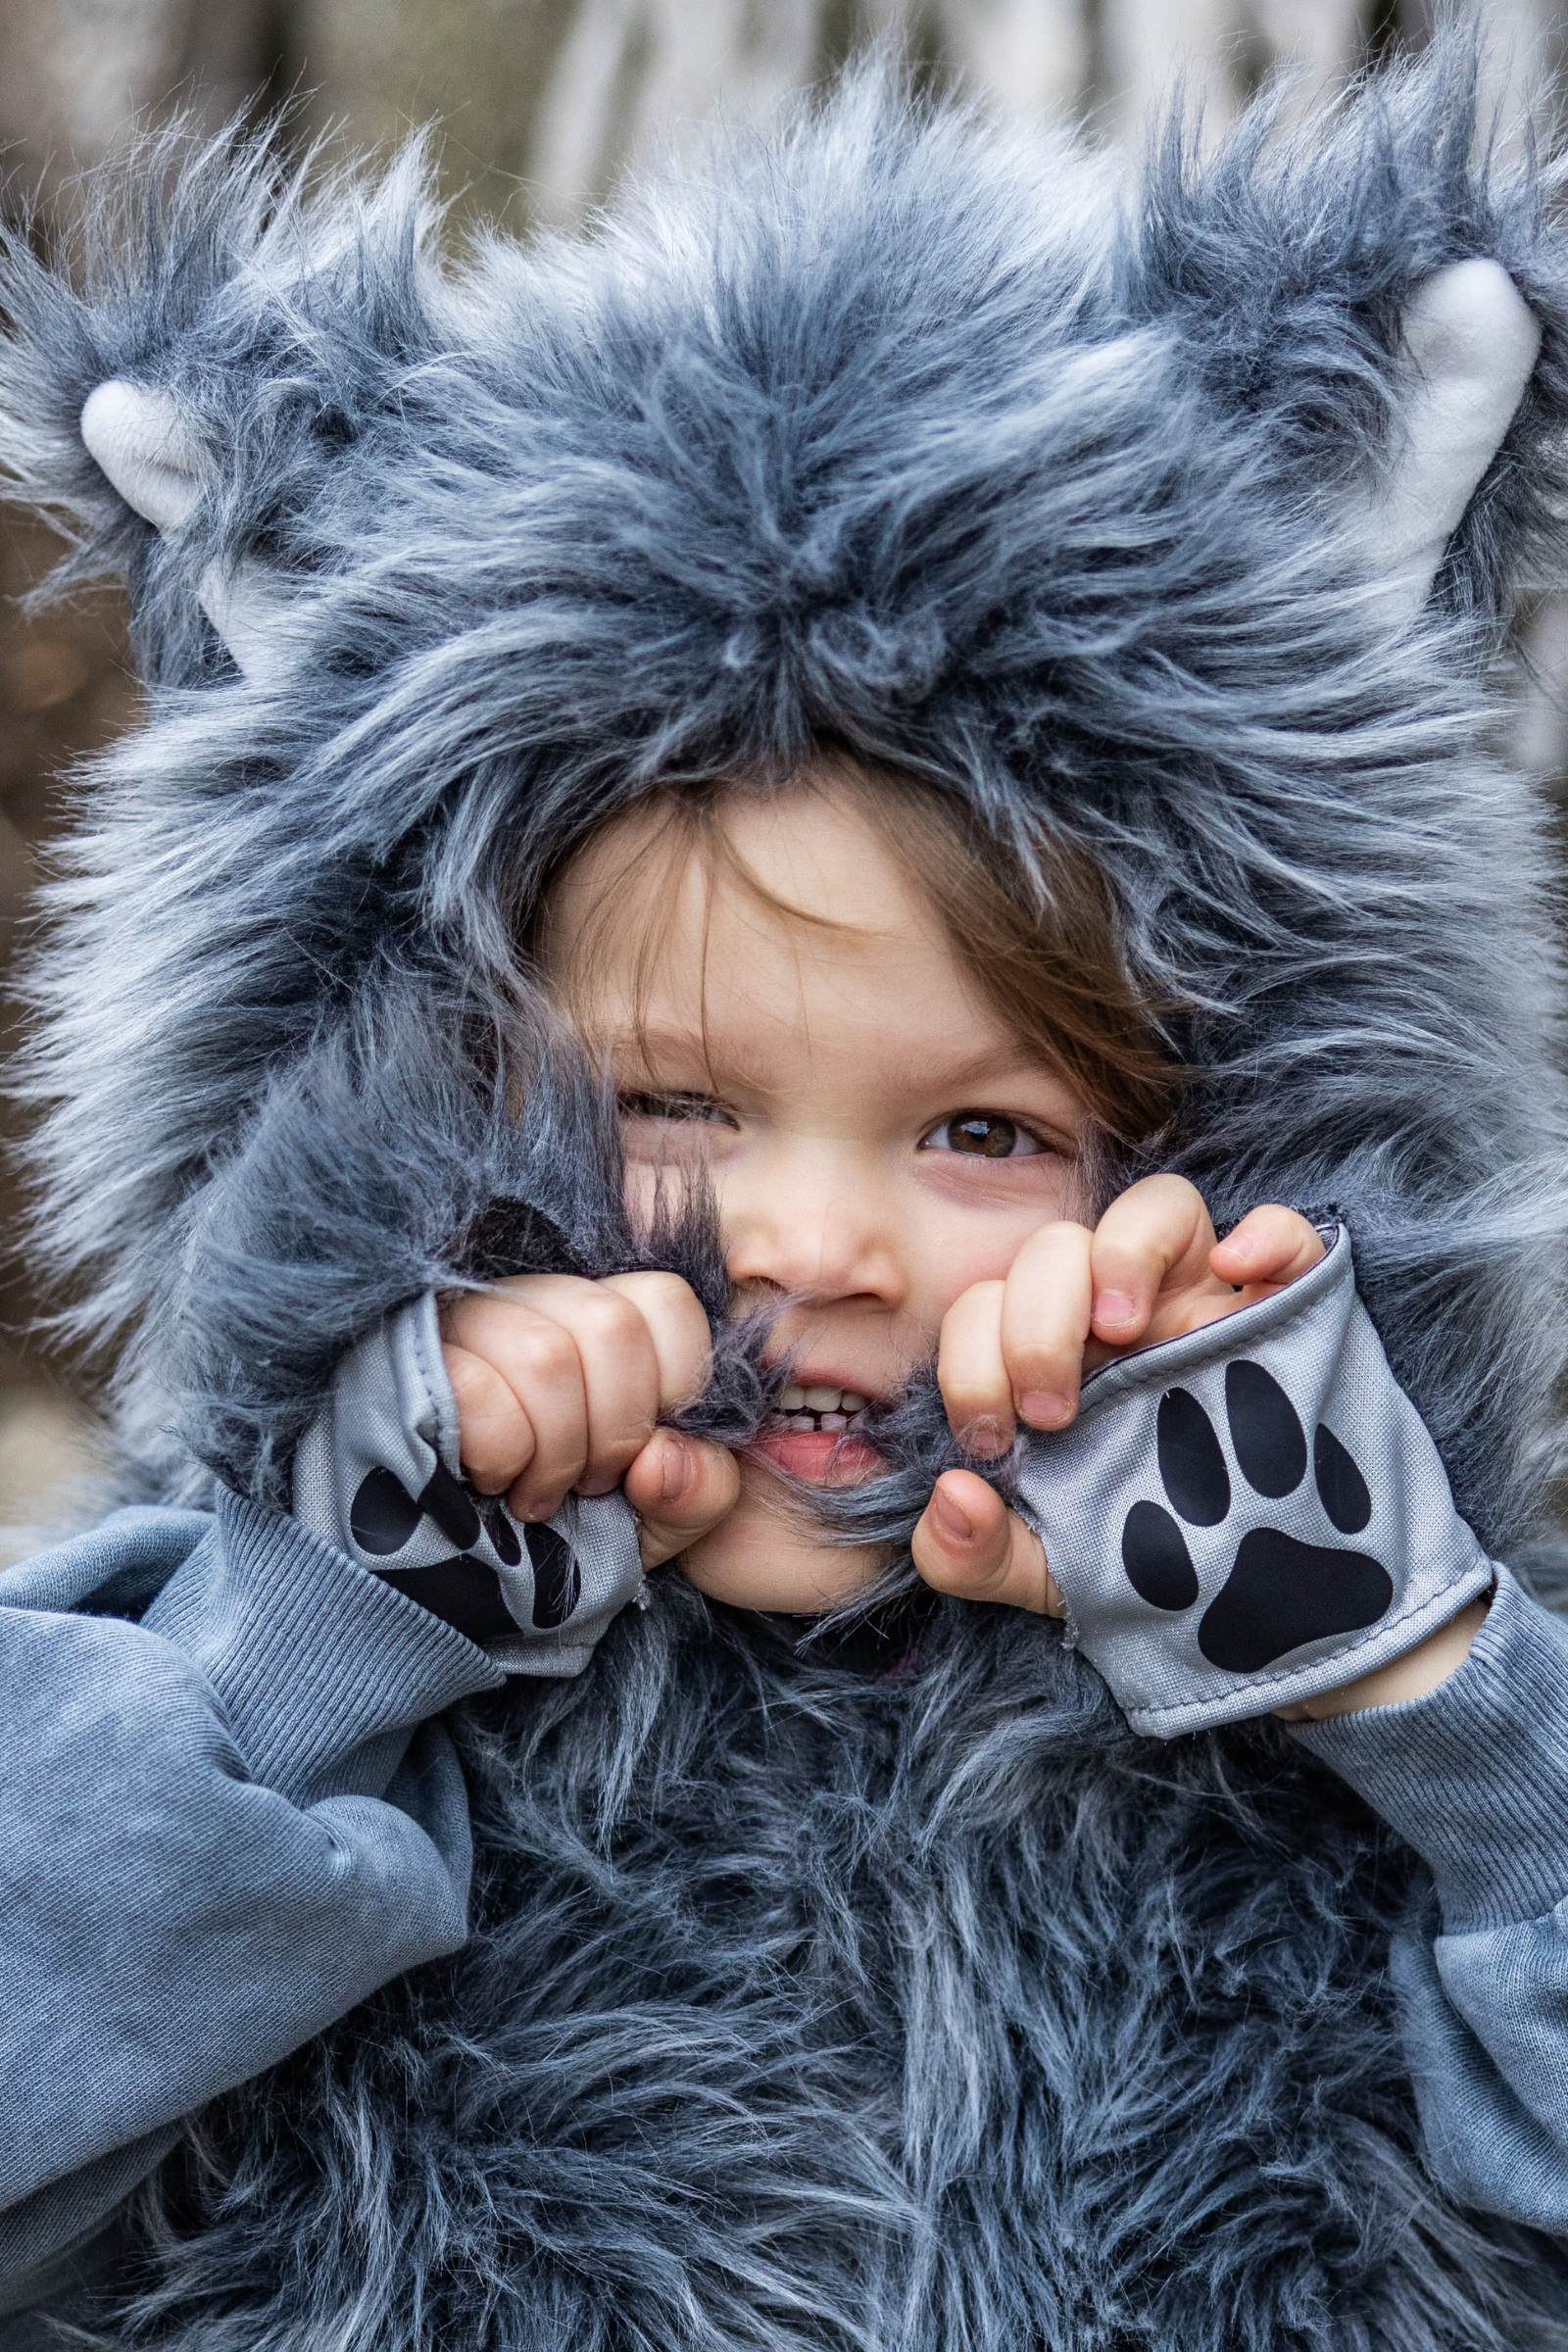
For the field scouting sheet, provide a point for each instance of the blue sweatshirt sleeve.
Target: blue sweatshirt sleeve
(220, 1826)
(1475, 1776)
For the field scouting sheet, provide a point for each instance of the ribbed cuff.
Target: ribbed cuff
(1475, 1775)
(312, 1657)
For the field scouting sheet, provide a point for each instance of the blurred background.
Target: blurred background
(541, 105)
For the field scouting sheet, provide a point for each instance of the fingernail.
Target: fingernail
(596, 1485)
(1115, 1307)
(982, 1435)
(1044, 1412)
(954, 1524)
(674, 1468)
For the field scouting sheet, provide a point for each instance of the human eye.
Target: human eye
(983, 1135)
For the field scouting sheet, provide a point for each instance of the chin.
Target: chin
(760, 1558)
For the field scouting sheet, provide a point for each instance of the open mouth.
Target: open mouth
(821, 1407)
(813, 1435)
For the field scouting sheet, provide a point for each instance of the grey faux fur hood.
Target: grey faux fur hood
(896, 433)
(813, 2002)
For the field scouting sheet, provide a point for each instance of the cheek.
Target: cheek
(960, 1233)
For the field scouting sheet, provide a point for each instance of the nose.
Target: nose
(817, 1220)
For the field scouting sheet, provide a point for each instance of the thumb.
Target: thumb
(969, 1543)
(679, 1486)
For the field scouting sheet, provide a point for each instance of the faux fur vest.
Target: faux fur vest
(898, 2000)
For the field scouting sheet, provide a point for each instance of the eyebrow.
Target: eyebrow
(1003, 1061)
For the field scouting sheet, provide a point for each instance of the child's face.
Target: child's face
(877, 1139)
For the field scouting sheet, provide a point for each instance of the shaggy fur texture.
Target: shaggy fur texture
(891, 435)
(821, 2004)
(893, 1997)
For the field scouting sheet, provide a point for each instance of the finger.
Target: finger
(969, 1543)
(1271, 1247)
(677, 1324)
(679, 1486)
(1157, 1231)
(1045, 1322)
(970, 1372)
(544, 1372)
(615, 1374)
(495, 1436)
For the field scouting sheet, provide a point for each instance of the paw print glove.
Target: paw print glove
(378, 1474)
(1250, 1514)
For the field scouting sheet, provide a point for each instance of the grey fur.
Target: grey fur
(809, 2011)
(809, 2008)
(1030, 519)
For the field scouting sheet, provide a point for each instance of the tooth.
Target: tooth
(835, 1421)
(850, 1402)
(856, 1421)
(793, 1399)
(822, 1400)
(802, 1420)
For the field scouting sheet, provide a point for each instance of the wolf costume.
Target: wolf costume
(888, 1993)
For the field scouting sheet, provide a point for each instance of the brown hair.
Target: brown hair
(1036, 928)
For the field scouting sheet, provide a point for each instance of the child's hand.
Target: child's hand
(558, 1385)
(1016, 1351)
(1152, 1269)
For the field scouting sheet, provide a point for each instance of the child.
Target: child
(971, 703)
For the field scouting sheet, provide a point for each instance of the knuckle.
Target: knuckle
(512, 1287)
(606, 1316)
(972, 1580)
(965, 1399)
(611, 1453)
(479, 1392)
(660, 1304)
(546, 1352)
(1168, 1186)
(664, 1294)
(1031, 1352)
(1064, 1237)
(465, 1372)
(977, 1308)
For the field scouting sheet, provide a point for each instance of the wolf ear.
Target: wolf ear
(138, 438)
(1470, 342)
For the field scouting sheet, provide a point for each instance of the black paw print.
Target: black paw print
(463, 1591)
(1280, 1592)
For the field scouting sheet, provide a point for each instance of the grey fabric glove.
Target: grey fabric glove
(378, 1475)
(1250, 1514)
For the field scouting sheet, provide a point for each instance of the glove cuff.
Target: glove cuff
(379, 1475)
(1250, 1514)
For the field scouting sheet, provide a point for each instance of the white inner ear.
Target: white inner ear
(155, 462)
(160, 467)
(1470, 346)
